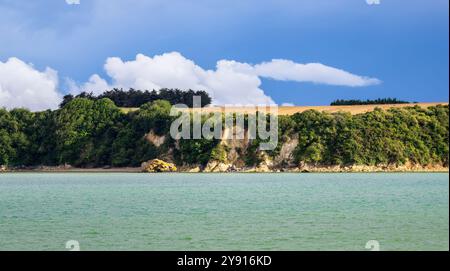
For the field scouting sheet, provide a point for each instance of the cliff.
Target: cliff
(284, 161)
(94, 135)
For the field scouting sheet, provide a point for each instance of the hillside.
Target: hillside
(96, 133)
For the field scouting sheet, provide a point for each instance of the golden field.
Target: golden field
(290, 110)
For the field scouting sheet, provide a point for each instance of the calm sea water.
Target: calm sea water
(224, 211)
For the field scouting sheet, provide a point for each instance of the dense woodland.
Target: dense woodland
(136, 98)
(367, 102)
(96, 133)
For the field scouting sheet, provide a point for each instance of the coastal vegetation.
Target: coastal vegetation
(91, 133)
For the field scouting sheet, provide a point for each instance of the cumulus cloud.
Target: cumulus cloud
(230, 83)
(96, 85)
(21, 85)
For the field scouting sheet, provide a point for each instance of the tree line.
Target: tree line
(367, 102)
(136, 98)
(96, 133)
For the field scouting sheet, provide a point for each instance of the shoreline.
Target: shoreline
(287, 170)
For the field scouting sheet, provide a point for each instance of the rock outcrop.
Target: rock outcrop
(194, 170)
(215, 166)
(407, 167)
(157, 165)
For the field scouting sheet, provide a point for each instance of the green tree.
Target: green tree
(84, 130)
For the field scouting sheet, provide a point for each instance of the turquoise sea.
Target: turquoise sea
(109, 211)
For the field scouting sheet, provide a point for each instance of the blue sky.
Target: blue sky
(404, 44)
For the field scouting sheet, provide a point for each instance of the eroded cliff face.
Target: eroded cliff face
(155, 139)
(236, 152)
(284, 161)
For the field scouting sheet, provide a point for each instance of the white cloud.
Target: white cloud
(96, 85)
(373, 2)
(286, 70)
(23, 86)
(230, 83)
(73, 2)
(169, 70)
(287, 104)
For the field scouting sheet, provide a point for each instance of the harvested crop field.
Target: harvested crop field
(290, 110)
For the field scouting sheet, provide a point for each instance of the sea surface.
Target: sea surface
(115, 211)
